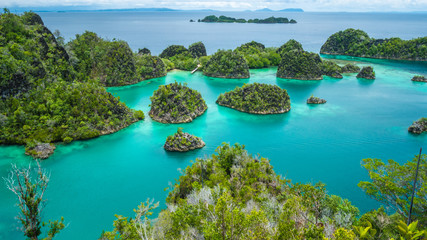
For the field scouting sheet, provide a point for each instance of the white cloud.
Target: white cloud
(308, 5)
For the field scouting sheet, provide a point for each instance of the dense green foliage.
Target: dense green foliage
(257, 56)
(300, 65)
(272, 20)
(173, 50)
(176, 103)
(291, 45)
(29, 55)
(357, 43)
(234, 195)
(257, 98)
(197, 49)
(148, 66)
(42, 103)
(63, 111)
(392, 185)
(226, 64)
(183, 142)
(144, 51)
(224, 19)
(180, 57)
(112, 62)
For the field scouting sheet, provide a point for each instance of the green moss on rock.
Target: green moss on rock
(183, 142)
(176, 103)
(226, 64)
(257, 98)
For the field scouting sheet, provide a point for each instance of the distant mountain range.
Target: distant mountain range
(94, 8)
(283, 10)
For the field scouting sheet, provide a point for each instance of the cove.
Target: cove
(93, 180)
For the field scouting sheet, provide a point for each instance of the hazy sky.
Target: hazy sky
(307, 5)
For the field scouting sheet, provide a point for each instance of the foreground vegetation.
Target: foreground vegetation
(43, 98)
(257, 98)
(176, 103)
(234, 195)
(354, 42)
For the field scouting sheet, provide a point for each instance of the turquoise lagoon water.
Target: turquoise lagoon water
(93, 180)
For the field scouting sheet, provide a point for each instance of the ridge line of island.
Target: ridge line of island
(225, 19)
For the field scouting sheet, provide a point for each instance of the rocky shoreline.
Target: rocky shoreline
(419, 126)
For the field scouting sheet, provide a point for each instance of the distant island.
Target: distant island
(225, 19)
(355, 42)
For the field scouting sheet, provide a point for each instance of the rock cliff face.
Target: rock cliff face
(315, 100)
(419, 126)
(367, 73)
(257, 98)
(357, 43)
(176, 103)
(226, 64)
(418, 78)
(183, 142)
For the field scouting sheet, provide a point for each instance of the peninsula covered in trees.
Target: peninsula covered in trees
(257, 98)
(43, 98)
(355, 42)
(224, 19)
(176, 103)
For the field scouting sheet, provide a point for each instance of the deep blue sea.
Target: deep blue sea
(93, 180)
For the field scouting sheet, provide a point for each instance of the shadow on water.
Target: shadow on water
(225, 82)
(248, 118)
(365, 82)
(298, 87)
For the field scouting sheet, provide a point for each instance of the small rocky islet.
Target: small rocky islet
(366, 73)
(183, 142)
(257, 98)
(419, 78)
(315, 100)
(418, 126)
(176, 103)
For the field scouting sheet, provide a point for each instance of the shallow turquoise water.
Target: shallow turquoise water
(95, 179)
